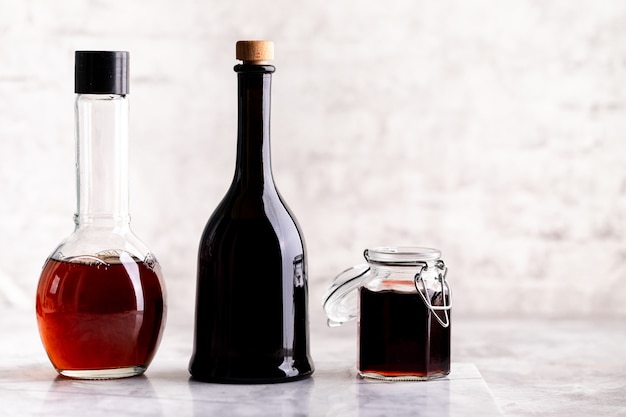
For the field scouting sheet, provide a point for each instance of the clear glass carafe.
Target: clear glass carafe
(402, 301)
(101, 300)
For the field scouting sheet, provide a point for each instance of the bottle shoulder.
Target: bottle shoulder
(250, 202)
(256, 218)
(242, 239)
(94, 241)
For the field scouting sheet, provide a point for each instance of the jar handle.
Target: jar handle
(444, 286)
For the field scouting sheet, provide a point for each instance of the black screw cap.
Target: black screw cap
(101, 72)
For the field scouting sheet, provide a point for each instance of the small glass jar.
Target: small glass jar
(402, 301)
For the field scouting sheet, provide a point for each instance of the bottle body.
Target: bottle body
(100, 300)
(100, 316)
(251, 315)
(251, 323)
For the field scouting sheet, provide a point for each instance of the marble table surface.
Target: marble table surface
(166, 390)
(511, 367)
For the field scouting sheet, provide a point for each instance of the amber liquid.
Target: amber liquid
(399, 337)
(100, 316)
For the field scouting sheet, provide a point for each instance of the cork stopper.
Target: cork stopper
(255, 52)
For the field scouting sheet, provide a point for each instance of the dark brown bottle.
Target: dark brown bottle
(251, 322)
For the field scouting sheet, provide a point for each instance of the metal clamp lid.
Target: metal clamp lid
(445, 291)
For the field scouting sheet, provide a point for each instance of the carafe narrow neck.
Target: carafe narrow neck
(102, 160)
(253, 167)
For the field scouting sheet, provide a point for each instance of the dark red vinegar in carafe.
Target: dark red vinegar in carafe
(399, 337)
(100, 314)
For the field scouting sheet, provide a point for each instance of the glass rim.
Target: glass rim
(401, 255)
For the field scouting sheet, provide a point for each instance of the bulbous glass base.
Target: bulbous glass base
(100, 316)
(103, 373)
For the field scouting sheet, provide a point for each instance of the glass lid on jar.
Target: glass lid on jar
(340, 301)
(401, 255)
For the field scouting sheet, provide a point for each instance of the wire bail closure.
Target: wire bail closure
(445, 295)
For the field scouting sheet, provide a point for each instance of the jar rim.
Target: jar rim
(401, 255)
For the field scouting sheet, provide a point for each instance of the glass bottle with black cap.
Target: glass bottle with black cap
(101, 299)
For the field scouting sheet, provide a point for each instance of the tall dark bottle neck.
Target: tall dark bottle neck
(254, 169)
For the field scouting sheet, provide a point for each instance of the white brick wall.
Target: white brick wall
(490, 129)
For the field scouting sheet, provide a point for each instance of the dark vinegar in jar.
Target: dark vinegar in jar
(100, 315)
(399, 337)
